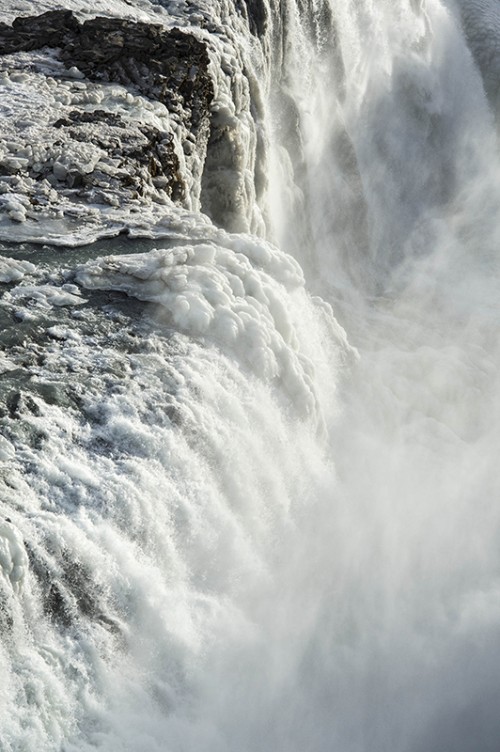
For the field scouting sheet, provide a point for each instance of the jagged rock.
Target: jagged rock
(130, 159)
(170, 66)
(80, 116)
(32, 32)
(145, 147)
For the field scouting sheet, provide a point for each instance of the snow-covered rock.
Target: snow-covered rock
(112, 123)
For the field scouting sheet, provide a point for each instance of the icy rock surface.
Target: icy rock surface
(235, 296)
(110, 123)
(131, 136)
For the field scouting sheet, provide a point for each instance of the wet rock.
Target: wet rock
(132, 161)
(170, 66)
(67, 588)
(76, 117)
(257, 16)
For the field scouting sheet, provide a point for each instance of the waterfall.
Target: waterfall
(249, 370)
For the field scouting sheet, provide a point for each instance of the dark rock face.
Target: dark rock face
(256, 12)
(26, 32)
(167, 66)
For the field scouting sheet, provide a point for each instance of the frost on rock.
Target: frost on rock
(131, 136)
(45, 296)
(110, 124)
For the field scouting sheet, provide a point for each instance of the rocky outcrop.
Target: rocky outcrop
(93, 154)
(169, 66)
(150, 150)
(32, 32)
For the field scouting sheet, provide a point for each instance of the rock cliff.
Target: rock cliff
(139, 143)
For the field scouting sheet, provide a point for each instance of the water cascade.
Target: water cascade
(249, 370)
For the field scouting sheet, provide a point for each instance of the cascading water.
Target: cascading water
(227, 521)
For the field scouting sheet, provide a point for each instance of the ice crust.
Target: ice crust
(141, 10)
(13, 270)
(31, 145)
(236, 295)
(224, 178)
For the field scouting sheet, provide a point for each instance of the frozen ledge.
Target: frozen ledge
(102, 122)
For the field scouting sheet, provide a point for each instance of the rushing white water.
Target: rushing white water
(226, 523)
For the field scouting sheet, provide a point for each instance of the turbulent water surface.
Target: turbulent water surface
(250, 419)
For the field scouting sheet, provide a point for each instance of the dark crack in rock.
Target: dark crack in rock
(256, 13)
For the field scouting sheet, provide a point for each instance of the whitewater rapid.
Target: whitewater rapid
(248, 486)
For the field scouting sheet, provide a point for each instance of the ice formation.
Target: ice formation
(236, 296)
(13, 557)
(222, 527)
(109, 147)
